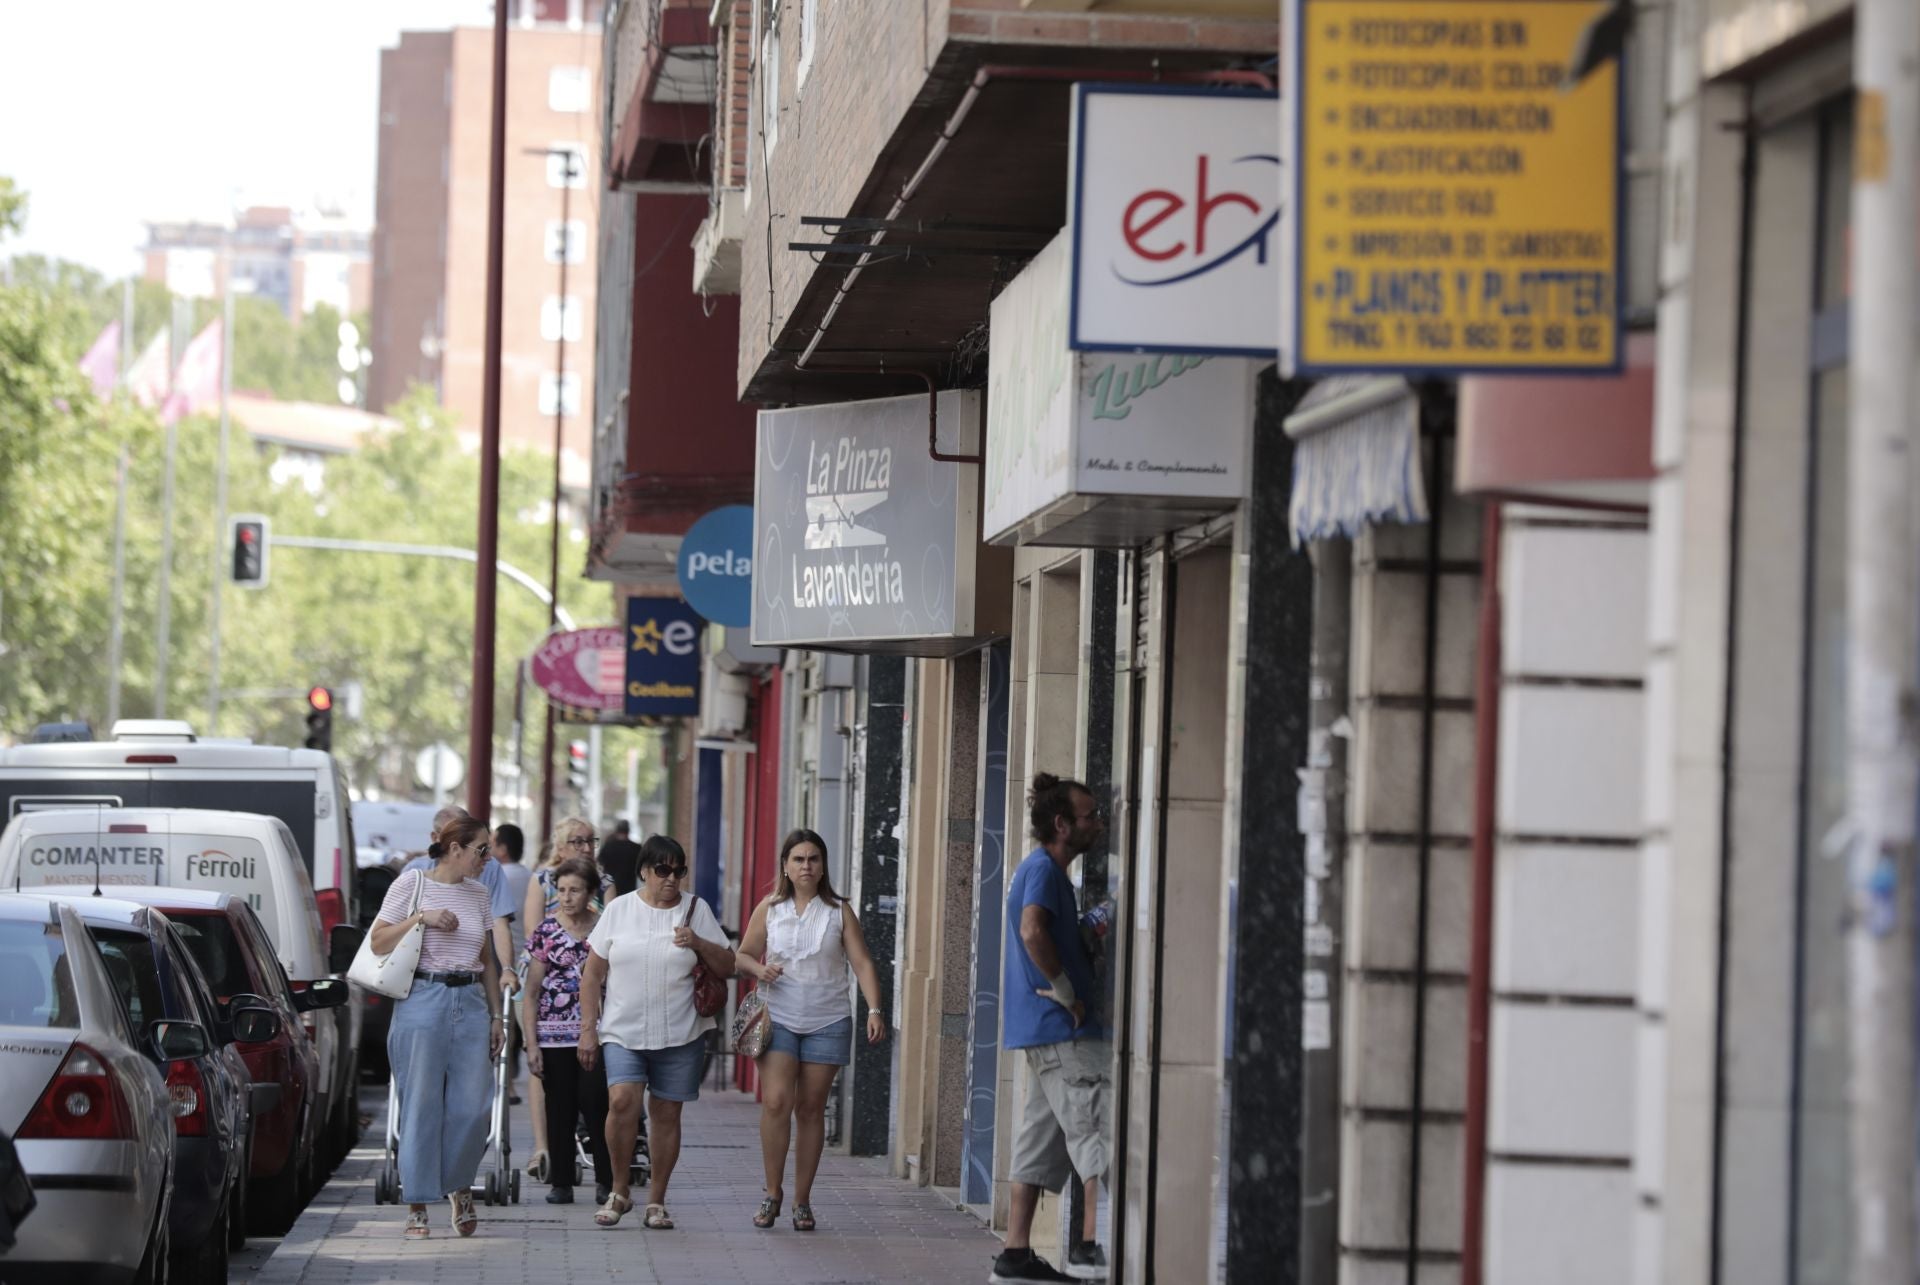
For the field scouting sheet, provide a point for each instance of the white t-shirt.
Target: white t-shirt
(649, 1002)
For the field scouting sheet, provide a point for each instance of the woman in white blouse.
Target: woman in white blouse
(644, 1026)
(799, 944)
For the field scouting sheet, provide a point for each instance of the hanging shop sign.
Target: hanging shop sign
(1456, 202)
(716, 566)
(1175, 205)
(662, 659)
(583, 669)
(864, 541)
(1103, 450)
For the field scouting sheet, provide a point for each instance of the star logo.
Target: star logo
(647, 637)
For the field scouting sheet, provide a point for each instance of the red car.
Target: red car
(233, 950)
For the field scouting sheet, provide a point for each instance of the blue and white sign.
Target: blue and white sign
(663, 659)
(1174, 207)
(716, 566)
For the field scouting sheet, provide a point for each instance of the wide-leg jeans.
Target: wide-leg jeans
(442, 1068)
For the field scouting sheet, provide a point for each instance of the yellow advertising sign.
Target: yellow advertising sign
(1458, 206)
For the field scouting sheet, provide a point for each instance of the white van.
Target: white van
(242, 853)
(157, 763)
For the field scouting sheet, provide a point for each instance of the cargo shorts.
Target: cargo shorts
(1064, 1129)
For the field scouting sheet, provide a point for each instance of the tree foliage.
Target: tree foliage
(402, 627)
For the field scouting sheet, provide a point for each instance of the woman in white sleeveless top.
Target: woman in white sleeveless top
(799, 944)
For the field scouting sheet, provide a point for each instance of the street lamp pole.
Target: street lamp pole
(220, 552)
(480, 731)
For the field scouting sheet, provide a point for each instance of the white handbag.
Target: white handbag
(391, 974)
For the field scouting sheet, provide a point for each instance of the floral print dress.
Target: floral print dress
(557, 1020)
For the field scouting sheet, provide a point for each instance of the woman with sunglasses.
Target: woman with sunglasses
(572, 838)
(445, 1032)
(641, 960)
(800, 944)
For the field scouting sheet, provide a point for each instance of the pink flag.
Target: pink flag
(196, 384)
(147, 377)
(101, 365)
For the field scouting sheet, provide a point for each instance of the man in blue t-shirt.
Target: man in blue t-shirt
(1051, 1012)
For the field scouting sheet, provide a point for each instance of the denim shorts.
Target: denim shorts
(671, 1074)
(828, 1046)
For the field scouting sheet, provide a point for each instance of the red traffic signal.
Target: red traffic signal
(320, 698)
(249, 550)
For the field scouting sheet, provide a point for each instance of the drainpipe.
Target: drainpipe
(981, 78)
(1486, 765)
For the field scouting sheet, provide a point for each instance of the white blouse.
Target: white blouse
(649, 1003)
(811, 994)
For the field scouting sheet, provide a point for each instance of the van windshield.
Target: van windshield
(217, 862)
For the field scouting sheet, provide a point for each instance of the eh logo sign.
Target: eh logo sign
(1177, 236)
(663, 658)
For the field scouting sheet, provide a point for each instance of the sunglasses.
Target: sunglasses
(581, 841)
(670, 872)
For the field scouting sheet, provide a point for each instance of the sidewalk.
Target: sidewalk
(872, 1227)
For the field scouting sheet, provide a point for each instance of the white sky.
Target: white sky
(119, 111)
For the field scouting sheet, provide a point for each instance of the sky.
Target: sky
(121, 111)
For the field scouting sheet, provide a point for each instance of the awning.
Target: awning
(1356, 459)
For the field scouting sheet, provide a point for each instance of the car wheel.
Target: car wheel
(206, 1264)
(278, 1201)
(155, 1268)
(237, 1206)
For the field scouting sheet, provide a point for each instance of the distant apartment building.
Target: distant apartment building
(430, 239)
(298, 259)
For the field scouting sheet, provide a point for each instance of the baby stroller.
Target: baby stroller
(639, 1169)
(498, 1183)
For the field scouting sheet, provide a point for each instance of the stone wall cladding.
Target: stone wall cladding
(869, 67)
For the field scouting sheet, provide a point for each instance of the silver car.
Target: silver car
(89, 1112)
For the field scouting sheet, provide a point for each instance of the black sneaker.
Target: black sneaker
(600, 1193)
(1024, 1265)
(561, 1196)
(1087, 1262)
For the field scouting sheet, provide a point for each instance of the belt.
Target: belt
(448, 979)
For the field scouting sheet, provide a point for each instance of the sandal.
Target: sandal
(657, 1219)
(417, 1227)
(464, 1218)
(537, 1167)
(616, 1208)
(769, 1213)
(803, 1217)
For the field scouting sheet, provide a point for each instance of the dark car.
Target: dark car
(211, 1091)
(236, 955)
(376, 1013)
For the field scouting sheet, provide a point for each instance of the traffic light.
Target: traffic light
(577, 765)
(249, 545)
(320, 718)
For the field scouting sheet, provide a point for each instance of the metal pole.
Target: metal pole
(506, 569)
(117, 621)
(1881, 756)
(520, 742)
(480, 732)
(596, 800)
(163, 617)
(221, 569)
(632, 812)
(559, 443)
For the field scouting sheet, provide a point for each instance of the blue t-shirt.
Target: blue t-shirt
(1032, 1019)
(491, 876)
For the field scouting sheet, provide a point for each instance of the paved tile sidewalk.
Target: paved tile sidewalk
(872, 1227)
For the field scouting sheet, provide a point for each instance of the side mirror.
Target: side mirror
(343, 943)
(328, 992)
(180, 1041)
(255, 1025)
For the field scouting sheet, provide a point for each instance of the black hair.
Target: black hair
(462, 829)
(783, 886)
(1051, 800)
(512, 841)
(661, 850)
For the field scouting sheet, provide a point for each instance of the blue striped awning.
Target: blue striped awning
(1356, 458)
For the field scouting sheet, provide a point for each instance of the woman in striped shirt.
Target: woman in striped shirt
(444, 1033)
